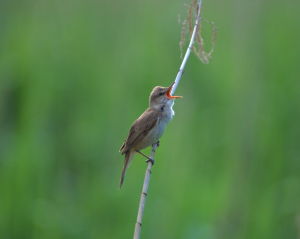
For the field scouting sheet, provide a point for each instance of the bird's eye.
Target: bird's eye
(160, 94)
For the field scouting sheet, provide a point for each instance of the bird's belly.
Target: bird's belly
(154, 135)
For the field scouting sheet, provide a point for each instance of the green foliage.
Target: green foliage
(75, 74)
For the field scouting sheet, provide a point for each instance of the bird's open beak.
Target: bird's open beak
(168, 93)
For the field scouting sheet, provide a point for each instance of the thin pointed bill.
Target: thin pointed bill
(168, 93)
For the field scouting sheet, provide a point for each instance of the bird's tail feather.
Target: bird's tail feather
(128, 158)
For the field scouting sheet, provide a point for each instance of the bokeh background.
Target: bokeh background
(75, 75)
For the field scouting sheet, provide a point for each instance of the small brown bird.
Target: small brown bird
(149, 127)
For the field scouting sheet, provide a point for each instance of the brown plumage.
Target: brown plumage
(149, 127)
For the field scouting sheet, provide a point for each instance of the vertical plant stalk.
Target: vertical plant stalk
(138, 224)
(189, 49)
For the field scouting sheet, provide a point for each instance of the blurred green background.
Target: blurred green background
(75, 75)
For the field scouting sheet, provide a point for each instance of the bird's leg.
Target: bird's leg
(143, 154)
(147, 157)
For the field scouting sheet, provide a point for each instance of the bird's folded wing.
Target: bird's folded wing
(140, 128)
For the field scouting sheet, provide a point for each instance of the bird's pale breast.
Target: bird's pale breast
(156, 132)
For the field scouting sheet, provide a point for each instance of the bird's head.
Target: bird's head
(162, 96)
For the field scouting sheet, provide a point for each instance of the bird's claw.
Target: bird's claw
(150, 160)
(156, 145)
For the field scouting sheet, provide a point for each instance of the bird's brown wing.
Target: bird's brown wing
(140, 129)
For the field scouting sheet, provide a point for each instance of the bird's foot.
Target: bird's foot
(150, 160)
(157, 143)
